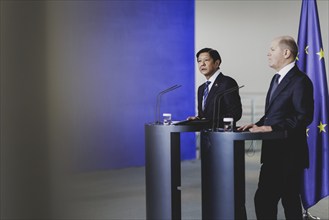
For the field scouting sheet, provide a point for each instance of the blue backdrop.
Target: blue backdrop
(147, 47)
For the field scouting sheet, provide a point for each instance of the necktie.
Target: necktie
(205, 94)
(275, 84)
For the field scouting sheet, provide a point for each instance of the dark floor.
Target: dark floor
(120, 194)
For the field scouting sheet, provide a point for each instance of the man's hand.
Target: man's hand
(254, 128)
(191, 118)
(261, 129)
(246, 127)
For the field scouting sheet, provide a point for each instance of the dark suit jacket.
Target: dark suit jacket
(230, 104)
(291, 109)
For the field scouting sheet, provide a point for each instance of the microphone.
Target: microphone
(157, 106)
(217, 98)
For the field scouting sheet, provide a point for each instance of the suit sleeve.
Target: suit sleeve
(232, 106)
(200, 115)
(260, 122)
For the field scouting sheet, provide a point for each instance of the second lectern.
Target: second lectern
(223, 172)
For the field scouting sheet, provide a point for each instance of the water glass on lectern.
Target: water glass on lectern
(166, 118)
(228, 124)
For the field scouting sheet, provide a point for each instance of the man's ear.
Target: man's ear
(287, 53)
(217, 63)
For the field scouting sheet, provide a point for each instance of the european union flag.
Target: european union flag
(311, 61)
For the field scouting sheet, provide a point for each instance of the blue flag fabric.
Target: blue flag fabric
(311, 61)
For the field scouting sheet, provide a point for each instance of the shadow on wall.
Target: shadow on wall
(78, 81)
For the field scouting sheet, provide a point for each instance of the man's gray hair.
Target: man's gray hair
(287, 42)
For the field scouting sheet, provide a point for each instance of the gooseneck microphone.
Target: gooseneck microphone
(157, 106)
(217, 99)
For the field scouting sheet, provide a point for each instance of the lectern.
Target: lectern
(223, 172)
(163, 171)
(222, 167)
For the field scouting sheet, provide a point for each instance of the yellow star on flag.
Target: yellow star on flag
(306, 49)
(321, 127)
(307, 130)
(321, 54)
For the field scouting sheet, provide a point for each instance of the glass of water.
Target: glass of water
(166, 118)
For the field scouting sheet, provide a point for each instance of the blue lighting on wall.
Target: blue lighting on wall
(147, 46)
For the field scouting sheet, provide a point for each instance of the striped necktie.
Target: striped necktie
(205, 94)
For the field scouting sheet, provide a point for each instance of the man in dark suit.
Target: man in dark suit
(216, 83)
(289, 106)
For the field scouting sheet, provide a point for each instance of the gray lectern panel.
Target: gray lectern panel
(217, 178)
(163, 171)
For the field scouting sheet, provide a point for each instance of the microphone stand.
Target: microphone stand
(218, 97)
(157, 107)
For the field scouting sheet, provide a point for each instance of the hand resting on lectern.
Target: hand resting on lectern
(254, 128)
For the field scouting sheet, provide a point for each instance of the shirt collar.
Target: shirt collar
(213, 78)
(283, 72)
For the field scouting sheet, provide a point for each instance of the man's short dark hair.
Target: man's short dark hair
(213, 54)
